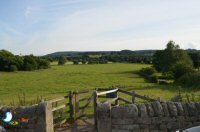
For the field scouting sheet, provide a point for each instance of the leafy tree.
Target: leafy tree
(164, 60)
(7, 61)
(62, 60)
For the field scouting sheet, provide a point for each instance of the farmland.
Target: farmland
(57, 80)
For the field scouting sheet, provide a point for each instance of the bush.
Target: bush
(75, 62)
(43, 64)
(147, 71)
(167, 76)
(180, 69)
(153, 78)
(190, 79)
(149, 74)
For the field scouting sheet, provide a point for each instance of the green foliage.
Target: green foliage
(62, 60)
(190, 80)
(43, 64)
(153, 78)
(10, 62)
(167, 75)
(149, 74)
(147, 71)
(196, 59)
(164, 60)
(30, 63)
(180, 69)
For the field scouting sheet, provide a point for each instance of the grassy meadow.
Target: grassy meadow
(57, 80)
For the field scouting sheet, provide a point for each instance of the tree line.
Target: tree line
(10, 62)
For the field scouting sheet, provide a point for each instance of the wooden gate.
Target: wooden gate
(70, 107)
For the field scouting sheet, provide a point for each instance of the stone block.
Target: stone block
(179, 108)
(192, 109)
(142, 110)
(165, 109)
(117, 111)
(150, 109)
(172, 109)
(157, 107)
(130, 111)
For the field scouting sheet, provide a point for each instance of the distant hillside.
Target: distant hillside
(72, 53)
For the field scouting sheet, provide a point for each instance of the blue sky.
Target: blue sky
(45, 26)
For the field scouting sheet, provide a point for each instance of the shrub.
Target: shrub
(30, 63)
(180, 69)
(147, 71)
(153, 78)
(149, 74)
(190, 79)
(167, 76)
(43, 64)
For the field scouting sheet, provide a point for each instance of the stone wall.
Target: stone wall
(40, 118)
(149, 117)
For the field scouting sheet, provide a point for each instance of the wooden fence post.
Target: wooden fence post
(76, 104)
(95, 108)
(133, 96)
(71, 105)
(117, 101)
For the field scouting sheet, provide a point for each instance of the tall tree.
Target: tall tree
(165, 60)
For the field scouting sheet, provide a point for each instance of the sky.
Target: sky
(40, 27)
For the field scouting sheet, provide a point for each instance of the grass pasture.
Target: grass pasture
(57, 80)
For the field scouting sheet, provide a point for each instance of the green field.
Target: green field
(57, 80)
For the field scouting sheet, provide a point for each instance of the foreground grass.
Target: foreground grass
(57, 80)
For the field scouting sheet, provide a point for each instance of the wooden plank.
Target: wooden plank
(71, 104)
(76, 103)
(60, 123)
(88, 103)
(125, 100)
(125, 92)
(144, 97)
(106, 92)
(133, 96)
(59, 107)
(84, 99)
(57, 99)
(95, 108)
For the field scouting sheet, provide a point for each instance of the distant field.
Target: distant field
(58, 80)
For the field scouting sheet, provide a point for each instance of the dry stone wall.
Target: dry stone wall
(149, 117)
(40, 118)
